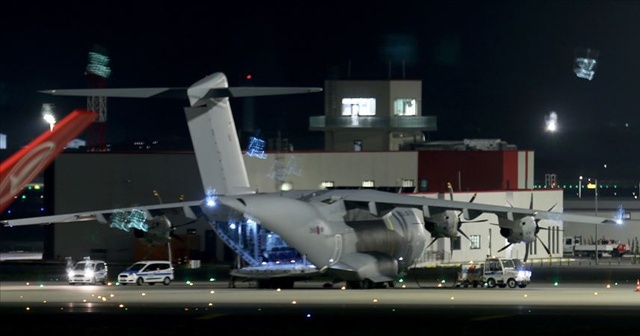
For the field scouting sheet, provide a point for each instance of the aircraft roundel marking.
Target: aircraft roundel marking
(27, 169)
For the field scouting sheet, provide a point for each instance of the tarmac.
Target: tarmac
(578, 299)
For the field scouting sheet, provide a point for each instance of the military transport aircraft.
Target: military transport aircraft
(367, 238)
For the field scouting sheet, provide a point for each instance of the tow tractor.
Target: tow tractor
(494, 272)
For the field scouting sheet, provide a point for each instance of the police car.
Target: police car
(148, 271)
(88, 271)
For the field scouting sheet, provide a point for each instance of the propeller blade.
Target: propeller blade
(464, 234)
(432, 241)
(504, 248)
(544, 245)
(475, 221)
(473, 198)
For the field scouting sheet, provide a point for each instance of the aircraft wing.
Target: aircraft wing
(189, 209)
(377, 201)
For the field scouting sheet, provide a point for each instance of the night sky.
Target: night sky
(490, 69)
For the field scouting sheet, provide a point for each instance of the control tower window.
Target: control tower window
(405, 107)
(358, 107)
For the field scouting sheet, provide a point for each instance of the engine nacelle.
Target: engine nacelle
(521, 230)
(158, 232)
(443, 224)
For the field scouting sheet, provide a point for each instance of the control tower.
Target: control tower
(97, 73)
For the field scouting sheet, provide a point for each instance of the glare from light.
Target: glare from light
(551, 122)
(47, 115)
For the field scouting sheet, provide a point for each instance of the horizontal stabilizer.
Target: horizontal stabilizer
(123, 93)
(181, 93)
(270, 91)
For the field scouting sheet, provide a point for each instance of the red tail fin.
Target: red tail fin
(22, 167)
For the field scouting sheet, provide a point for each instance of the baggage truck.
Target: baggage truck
(494, 272)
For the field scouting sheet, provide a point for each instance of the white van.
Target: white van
(88, 271)
(148, 271)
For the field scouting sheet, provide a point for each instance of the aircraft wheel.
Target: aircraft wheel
(511, 283)
(166, 281)
(491, 283)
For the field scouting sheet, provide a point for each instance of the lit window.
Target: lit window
(405, 107)
(326, 184)
(356, 107)
(368, 184)
(407, 183)
(475, 242)
(357, 145)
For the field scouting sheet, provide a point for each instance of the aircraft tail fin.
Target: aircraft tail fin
(23, 166)
(211, 125)
(214, 135)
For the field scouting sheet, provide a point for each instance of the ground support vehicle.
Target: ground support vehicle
(579, 247)
(503, 272)
(470, 275)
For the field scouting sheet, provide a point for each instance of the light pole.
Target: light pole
(157, 194)
(580, 187)
(596, 198)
